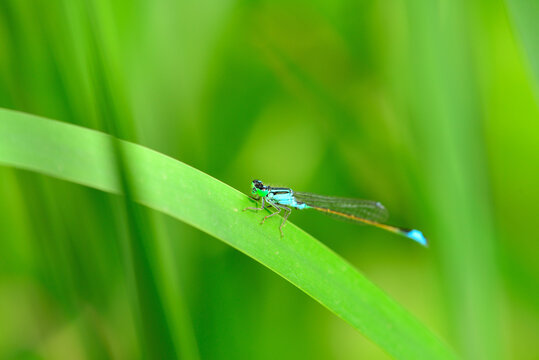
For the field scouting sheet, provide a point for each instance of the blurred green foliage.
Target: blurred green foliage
(427, 106)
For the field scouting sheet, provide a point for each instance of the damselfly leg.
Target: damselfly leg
(263, 206)
(277, 207)
(288, 211)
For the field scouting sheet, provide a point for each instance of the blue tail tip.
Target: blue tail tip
(417, 236)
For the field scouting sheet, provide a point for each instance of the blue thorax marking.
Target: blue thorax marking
(284, 196)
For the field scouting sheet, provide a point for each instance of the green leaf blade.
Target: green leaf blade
(86, 157)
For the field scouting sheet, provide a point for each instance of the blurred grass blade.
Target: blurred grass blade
(525, 14)
(449, 123)
(85, 157)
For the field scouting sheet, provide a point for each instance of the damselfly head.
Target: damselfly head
(258, 188)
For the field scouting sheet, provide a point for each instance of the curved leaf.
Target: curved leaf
(86, 157)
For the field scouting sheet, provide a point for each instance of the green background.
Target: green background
(427, 106)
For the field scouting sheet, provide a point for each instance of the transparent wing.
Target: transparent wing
(364, 209)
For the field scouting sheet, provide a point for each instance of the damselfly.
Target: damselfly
(356, 210)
